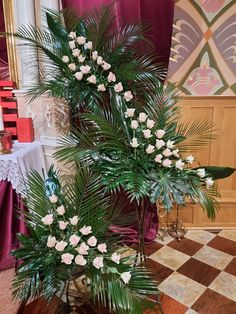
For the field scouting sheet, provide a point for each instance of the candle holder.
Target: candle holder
(5, 143)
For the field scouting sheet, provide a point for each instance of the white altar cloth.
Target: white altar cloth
(16, 166)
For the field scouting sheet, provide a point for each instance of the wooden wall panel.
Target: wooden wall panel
(222, 151)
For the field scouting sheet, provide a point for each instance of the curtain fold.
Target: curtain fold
(10, 224)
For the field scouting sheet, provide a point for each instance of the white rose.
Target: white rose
(53, 199)
(201, 172)
(65, 59)
(72, 66)
(147, 133)
(80, 260)
(179, 164)
(92, 79)
(76, 52)
(88, 45)
(74, 239)
(134, 124)
(160, 133)
(60, 210)
(61, 245)
(209, 182)
(92, 241)
(78, 76)
(189, 159)
(102, 248)
(67, 258)
(62, 224)
(72, 44)
(134, 143)
(81, 40)
(158, 158)
(150, 123)
(74, 220)
(115, 258)
(126, 277)
(129, 113)
(167, 152)
(128, 96)
(94, 55)
(83, 249)
(142, 117)
(99, 60)
(51, 242)
(86, 230)
(111, 77)
(150, 149)
(175, 152)
(106, 66)
(160, 144)
(72, 35)
(85, 69)
(101, 88)
(118, 87)
(170, 144)
(47, 220)
(98, 262)
(166, 163)
(81, 58)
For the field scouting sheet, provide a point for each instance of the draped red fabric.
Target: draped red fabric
(10, 224)
(158, 14)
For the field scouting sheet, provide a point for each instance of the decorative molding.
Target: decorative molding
(10, 40)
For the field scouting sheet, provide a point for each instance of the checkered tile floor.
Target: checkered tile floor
(196, 274)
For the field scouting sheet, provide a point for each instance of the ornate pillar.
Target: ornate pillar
(24, 13)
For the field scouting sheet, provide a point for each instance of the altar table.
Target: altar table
(14, 169)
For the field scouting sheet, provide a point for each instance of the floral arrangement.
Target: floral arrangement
(129, 139)
(76, 244)
(89, 67)
(160, 148)
(85, 58)
(70, 237)
(141, 151)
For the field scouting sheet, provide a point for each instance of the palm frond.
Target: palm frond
(207, 201)
(197, 134)
(110, 291)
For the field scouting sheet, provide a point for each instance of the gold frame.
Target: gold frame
(11, 45)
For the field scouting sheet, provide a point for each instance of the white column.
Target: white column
(51, 4)
(24, 13)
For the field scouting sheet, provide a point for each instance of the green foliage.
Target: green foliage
(123, 48)
(219, 172)
(42, 272)
(108, 151)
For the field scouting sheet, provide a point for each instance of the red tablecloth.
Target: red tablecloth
(10, 225)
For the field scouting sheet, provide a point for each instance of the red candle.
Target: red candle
(7, 141)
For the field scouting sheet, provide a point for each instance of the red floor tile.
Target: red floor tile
(199, 271)
(169, 306)
(211, 302)
(231, 268)
(224, 245)
(161, 272)
(186, 246)
(152, 248)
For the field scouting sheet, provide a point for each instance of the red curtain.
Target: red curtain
(158, 13)
(10, 224)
